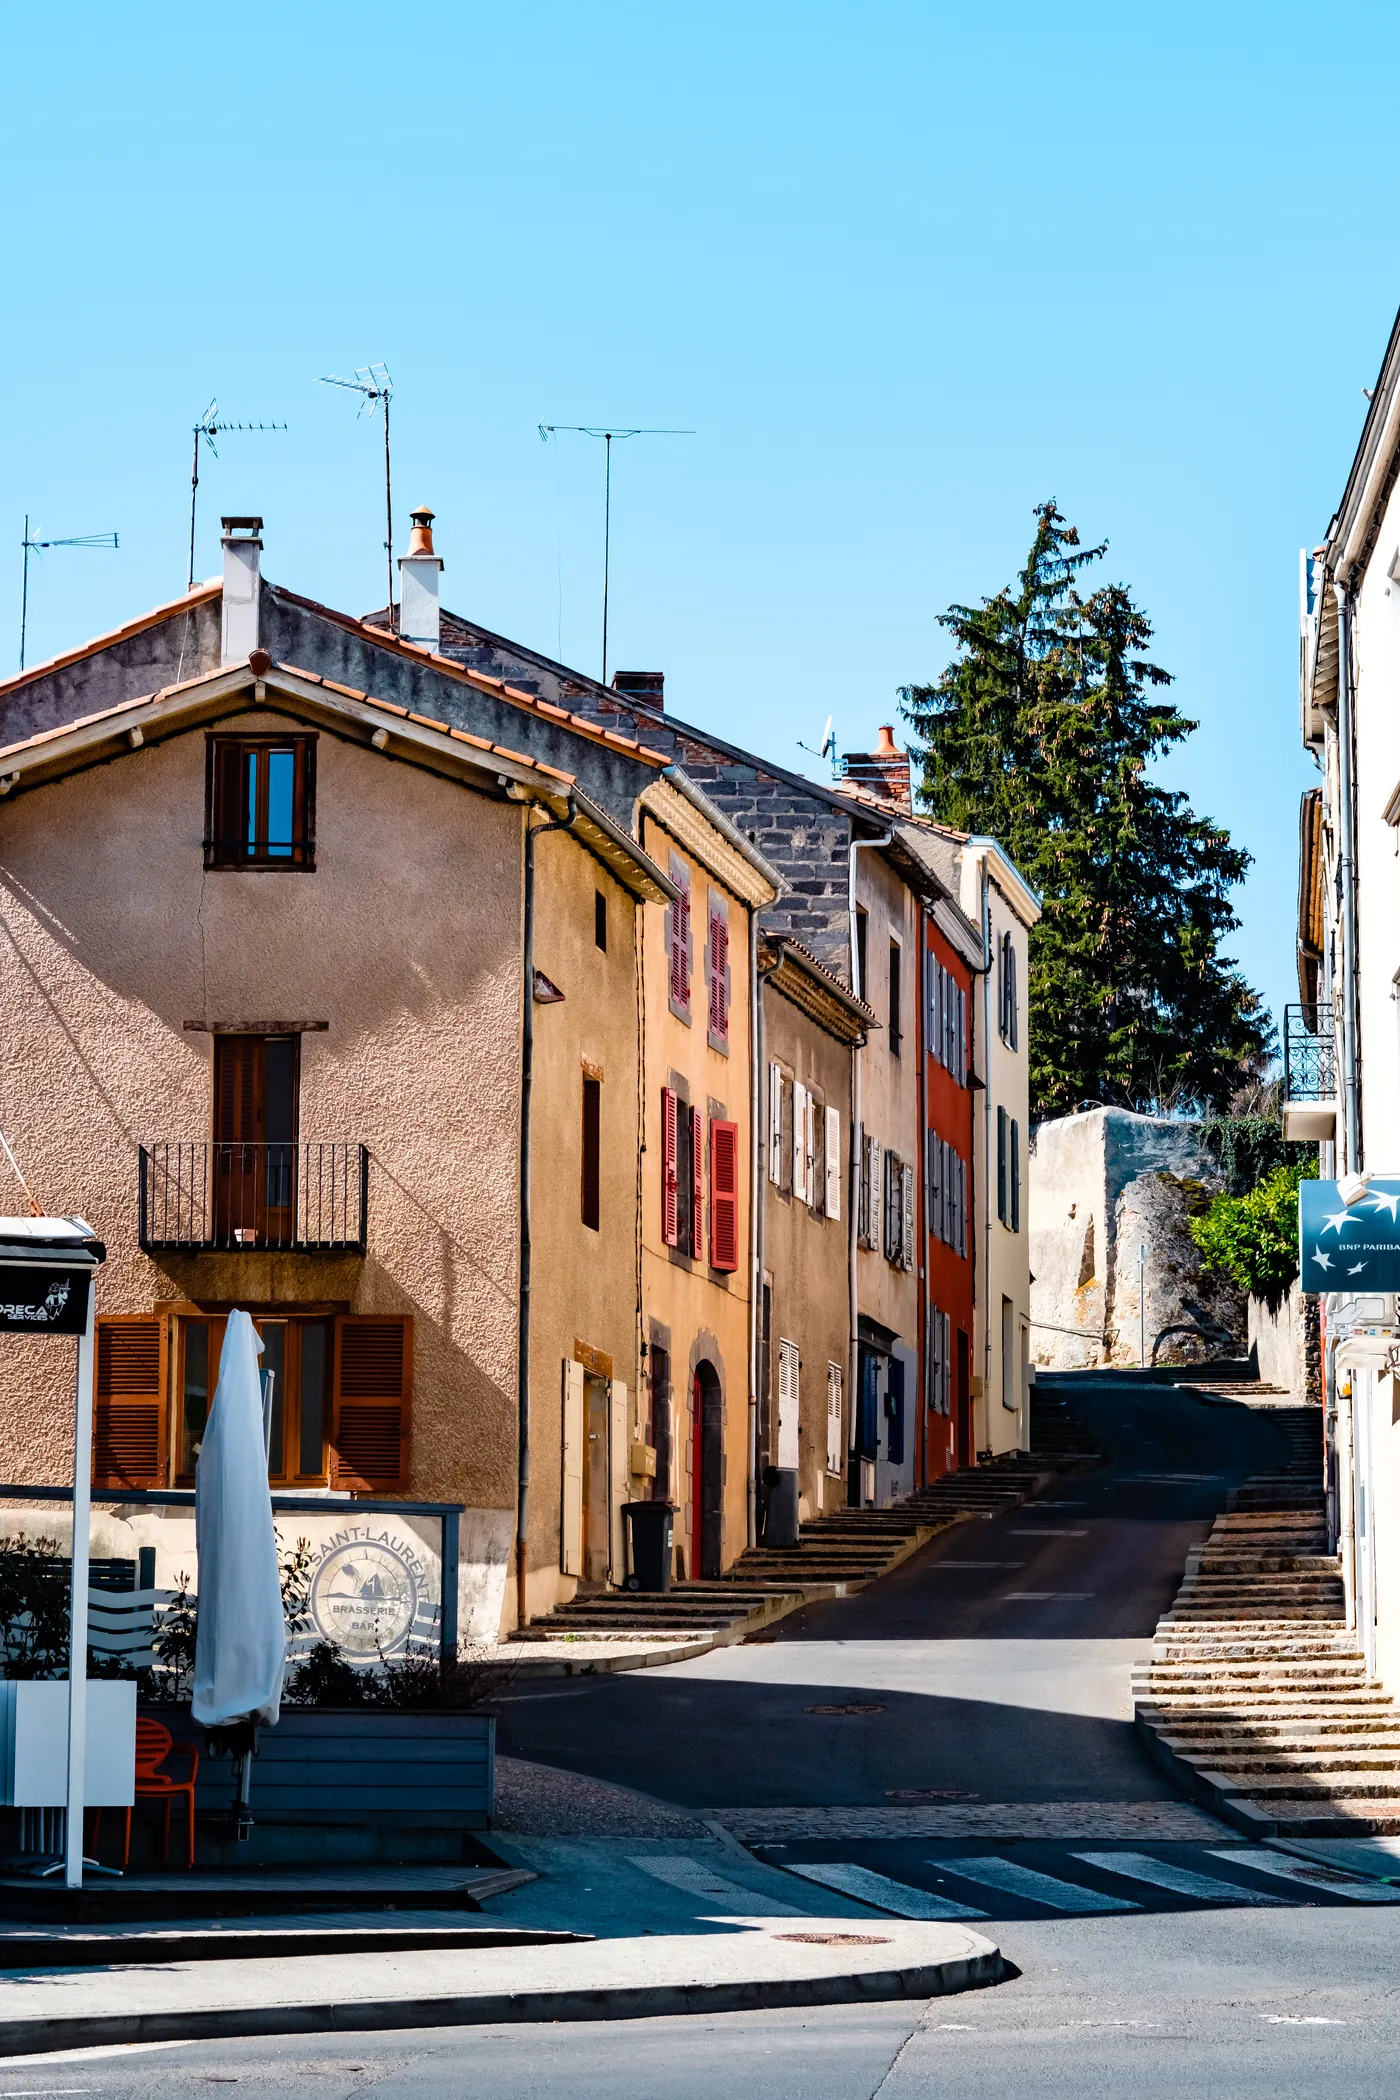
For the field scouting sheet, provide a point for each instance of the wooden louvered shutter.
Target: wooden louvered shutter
(680, 937)
(724, 1195)
(718, 950)
(371, 1416)
(799, 1142)
(906, 1218)
(129, 1422)
(775, 1124)
(697, 1183)
(670, 1180)
(833, 1162)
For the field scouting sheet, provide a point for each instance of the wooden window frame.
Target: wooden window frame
(221, 799)
(289, 1480)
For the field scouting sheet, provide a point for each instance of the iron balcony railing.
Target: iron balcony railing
(1309, 1054)
(197, 1198)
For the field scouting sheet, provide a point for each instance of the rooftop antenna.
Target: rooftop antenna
(32, 546)
(208, 427)
(827, 747)
(547, 430)
(374, 383)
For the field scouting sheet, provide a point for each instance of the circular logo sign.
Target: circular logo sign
(364, 1596)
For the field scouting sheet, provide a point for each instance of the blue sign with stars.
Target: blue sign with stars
(1349, 1246)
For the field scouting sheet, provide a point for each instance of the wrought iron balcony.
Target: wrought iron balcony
(1309, 1054)
(239, 1198)
(1309, 1073)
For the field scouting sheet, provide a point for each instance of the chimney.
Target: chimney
(242, 539)
(647, 686)
(883, 771)
(420, 571)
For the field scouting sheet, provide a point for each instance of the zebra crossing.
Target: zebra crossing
(977, 1887)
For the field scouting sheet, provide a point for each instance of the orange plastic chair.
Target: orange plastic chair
(154, 1744)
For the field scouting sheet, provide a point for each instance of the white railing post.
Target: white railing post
(78, 1618)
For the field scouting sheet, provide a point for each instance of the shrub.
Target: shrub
(1254, 1238)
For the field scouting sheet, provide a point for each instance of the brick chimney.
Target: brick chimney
(420, 571)
(883, 771)
(242, 543)
(647, 686)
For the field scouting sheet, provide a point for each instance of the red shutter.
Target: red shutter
(680, 946)
(724, 1195)
(719, 973)
(670, 1188)
(371, 1415)
(697, 1181)
(129, 1424)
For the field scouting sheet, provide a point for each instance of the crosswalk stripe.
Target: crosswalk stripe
(693, 1878)
(1141, 1866)
(879, 1890)
(1313, 1877)
(1016, 1880)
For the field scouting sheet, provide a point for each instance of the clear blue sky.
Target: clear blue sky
(906, 269)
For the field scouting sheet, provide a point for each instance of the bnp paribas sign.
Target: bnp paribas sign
(1349, 1246)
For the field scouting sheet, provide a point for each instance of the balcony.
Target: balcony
(1309, 1073)
(240, 1198)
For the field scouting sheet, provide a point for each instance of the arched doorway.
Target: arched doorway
(706, 1473)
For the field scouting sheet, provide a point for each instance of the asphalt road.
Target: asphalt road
(992, 1665)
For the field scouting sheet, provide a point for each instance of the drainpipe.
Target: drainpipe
(987, 1162)
(1351, 1087)
(527, 1054)
(758, 1210)
(1346, 1491)
(921, 1238)
(853, 1370)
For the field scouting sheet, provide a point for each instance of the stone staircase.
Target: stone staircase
(836, 1555)
(1255, 1697)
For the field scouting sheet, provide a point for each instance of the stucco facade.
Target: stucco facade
(698, 1402)
(948, 1017)
(811, 1025)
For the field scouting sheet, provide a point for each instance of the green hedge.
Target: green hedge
(1254, 1238)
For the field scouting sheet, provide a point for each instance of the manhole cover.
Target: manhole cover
(834, 1939)
(929, 1793)
(852, 1707)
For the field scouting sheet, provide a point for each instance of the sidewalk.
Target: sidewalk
(611, 1905)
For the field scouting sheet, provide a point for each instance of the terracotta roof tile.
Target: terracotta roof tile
(200, 596)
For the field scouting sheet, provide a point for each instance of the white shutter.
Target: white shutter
(877, 1193)
(799, 1142)
(788, 1400)
(833, 1162)
(775, 1124)
(571, 1510)
(811, 1183)
(835, 1441)
(907, 1219)
(617, 1478)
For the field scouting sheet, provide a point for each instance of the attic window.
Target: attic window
(260, 802)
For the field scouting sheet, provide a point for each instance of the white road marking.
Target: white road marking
(879, 1890)
(693, 1878)
(1311, 1877)
(1016, 1880)
(1141, 1866)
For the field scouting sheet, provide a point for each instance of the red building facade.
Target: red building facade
(949, 1206)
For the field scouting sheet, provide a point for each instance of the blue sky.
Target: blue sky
(905, 270)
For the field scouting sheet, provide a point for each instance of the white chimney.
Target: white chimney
(420, 571)
(242, 548)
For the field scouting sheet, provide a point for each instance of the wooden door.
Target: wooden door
(597, 1543)
(255, 1133)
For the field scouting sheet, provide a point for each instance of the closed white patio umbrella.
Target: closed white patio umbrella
(241, 1644)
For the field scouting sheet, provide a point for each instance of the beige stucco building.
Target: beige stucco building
(266, 998)
(811, 1026)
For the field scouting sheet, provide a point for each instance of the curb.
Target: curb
(27, 2037)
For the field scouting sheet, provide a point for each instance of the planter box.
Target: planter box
(320, 1766)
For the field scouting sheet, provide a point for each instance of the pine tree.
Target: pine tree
(1039, 734)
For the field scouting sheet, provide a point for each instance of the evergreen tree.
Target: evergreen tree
(1039, 734)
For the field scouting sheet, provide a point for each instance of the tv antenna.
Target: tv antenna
(32, 546)
(827, 748)
(547, 431)
(374, 383)
(209, 426)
